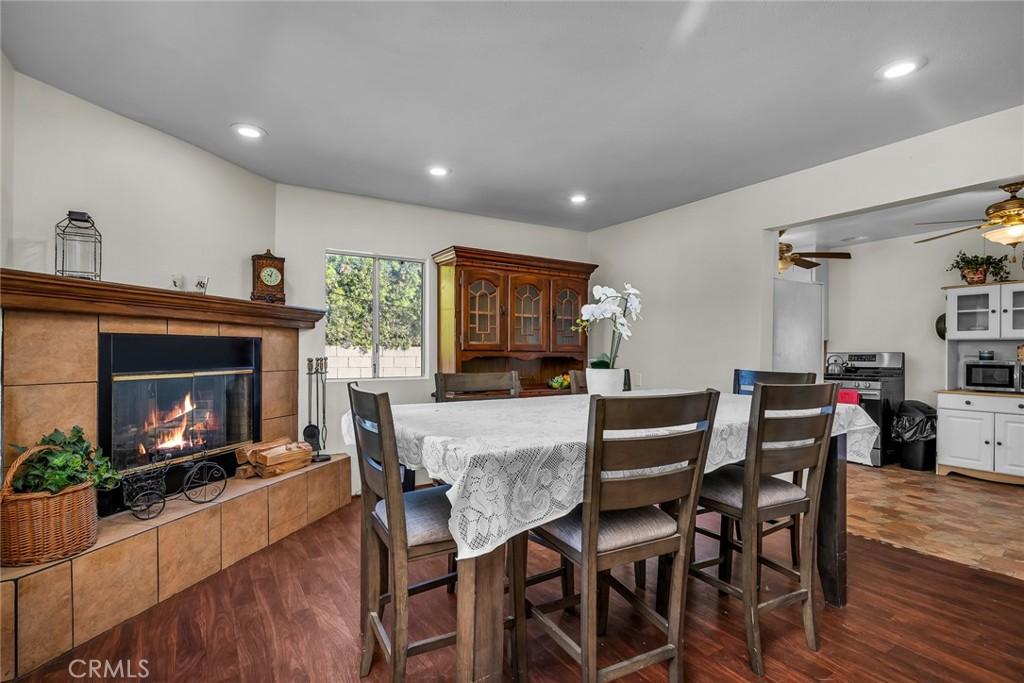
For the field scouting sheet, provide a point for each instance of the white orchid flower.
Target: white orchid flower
(611, 305)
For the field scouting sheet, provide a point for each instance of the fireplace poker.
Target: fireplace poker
(311, 432)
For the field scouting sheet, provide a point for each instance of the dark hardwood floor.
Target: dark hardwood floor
(289, 613)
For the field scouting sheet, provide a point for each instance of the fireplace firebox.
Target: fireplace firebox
(167, 399)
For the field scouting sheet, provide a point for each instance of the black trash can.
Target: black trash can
(914, 429)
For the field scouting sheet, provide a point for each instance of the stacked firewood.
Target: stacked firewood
(271, 458)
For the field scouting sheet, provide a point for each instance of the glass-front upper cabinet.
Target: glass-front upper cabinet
(973, 312)
(1013, 311)
(483, 310)
(528, 304)
(567, 297)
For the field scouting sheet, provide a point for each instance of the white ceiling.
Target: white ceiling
(896, 221)
(643, 106)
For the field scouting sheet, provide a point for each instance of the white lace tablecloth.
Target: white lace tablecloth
(515, 464)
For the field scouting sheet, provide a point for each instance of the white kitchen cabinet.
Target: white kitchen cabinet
(1009, 452)
(1012, 311)
(973, 313)
(966, 439)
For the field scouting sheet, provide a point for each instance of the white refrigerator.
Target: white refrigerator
(798, 326)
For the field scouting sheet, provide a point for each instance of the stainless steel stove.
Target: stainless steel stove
(879, 379)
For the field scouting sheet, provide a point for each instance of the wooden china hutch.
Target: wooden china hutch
(500, 312)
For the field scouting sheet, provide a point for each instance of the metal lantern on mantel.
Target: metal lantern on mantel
(78, 247)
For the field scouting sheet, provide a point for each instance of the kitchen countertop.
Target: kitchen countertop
(968, 392)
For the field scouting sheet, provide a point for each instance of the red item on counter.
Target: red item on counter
(851, 396)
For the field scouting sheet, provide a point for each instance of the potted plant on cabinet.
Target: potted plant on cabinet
(618, 308)
(48, 499)
(975, 269)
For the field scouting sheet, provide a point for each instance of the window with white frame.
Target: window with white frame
(374, 316)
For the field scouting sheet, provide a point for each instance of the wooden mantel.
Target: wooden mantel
(23, 290)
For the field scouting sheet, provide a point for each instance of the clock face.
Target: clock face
(270, 276)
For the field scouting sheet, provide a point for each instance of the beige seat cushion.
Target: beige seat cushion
(725, 487)
(426, 515)
(616, 528)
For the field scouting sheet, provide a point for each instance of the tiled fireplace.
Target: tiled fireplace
(154, 377)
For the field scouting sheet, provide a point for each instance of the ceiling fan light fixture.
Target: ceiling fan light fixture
(1007, 236)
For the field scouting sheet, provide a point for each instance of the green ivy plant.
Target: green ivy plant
(997, 266)
(71, 462)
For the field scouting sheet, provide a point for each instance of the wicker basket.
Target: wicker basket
(41, 527)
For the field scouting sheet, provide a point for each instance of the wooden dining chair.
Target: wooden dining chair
(639, 501)
(397, 528)
(578, 385)
(474, 386)
(743, 382)
(578, 382)
(751, 495)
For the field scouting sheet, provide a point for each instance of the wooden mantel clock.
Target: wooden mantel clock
(267, 278)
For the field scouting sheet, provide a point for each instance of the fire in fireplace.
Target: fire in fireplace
(161, 417)
(166, 399)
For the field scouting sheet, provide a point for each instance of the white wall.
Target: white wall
(311, 221)
(6, 146)
(164, 206)
(887, 297)
(705, 268)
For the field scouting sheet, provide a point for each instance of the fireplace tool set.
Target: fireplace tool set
(315, 433)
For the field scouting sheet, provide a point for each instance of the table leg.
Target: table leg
(832, 525)
(480, 632)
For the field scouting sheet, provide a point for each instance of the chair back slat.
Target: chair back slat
(790, 459)
(474, 386)
(625, 471)
(578, 381)
(640, 491)
(655, 412)
(797, 397)
(377, 454)
(779, 443)
(639, 452)
(793, 428)
(743, 381)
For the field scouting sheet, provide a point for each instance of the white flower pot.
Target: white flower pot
(604, 381)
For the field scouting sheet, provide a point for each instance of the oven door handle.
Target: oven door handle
(870, 395)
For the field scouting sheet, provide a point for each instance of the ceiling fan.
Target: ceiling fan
(789, 258)
(1007, 217)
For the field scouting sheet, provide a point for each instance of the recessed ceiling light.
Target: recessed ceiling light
(578, 198)
(438, 171)
(903, 67)
(248, 130)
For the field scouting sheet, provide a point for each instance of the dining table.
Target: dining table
(515, 464)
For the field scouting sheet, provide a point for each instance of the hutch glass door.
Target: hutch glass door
(568, 297)
(483, 311)
(1013, 311)
(528, 295)
(973, 313)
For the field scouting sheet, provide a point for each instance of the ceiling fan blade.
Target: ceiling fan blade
(966, 220)
(949, 234)
(804, 263)
(826, 254)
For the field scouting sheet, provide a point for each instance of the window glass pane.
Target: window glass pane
(349, 299)
(401, 318)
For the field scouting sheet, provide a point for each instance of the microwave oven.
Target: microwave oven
(990, 375)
